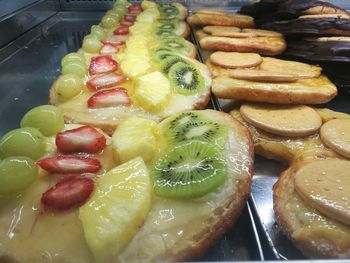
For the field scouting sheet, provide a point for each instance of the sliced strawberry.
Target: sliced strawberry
(115, 43)
(109, 49)
(135, 7)
(71, 191)
(83, 139)
(69, 164)
(102, 64)
(105, 81)
(123, 30)
(130, 18)
(134, 11)
(123, 22)
(109, 98)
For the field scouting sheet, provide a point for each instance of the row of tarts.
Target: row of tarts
(123, 167)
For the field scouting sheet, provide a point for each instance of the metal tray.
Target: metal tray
(266, 174)
(29, 65)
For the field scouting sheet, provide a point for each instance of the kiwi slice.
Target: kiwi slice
(162, 54)
(186, 79)
(168, 62)
(192, 126)
(168, 27)
(191, 169)
(168, 10)
(165, 20)
(165, 33)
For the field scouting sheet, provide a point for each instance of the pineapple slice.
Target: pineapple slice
(136, 137)
(117, 209)
(148, 4)
(152, 91)
(135, 65)
(150, 15)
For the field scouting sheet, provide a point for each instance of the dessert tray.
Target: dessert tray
(30, 65)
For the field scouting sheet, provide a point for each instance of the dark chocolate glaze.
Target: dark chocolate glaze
(320, 50)
(314, 26)
(270, 10)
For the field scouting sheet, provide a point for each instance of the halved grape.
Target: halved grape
(120, 10)
(73, 57)
(91, 44)
(77, 68)
(109, 21)
(16, 174)
(68, 86)
(47, 119)
(98, 31)
(113, 14)
(121, 3)
(27, 142)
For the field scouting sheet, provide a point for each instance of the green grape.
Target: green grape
(68, 86)
(112, 13)
(27, 142)
(16, 174)
(120, 10)
(47, 119)
(121, 2)
(77, 68)
(73, 57)
(99, 32)
(91, 44)
(109, 21)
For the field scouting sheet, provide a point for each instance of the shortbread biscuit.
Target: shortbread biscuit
(235, 59)
(336, 135)
(290, 121)
(302, 70)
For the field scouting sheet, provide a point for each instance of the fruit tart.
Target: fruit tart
(141, 70)
(152, 192)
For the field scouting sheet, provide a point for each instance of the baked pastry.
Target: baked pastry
(270, 10)
(313, 25)
(321, 48)
(142, 77)
(206, 17)
(139, 210)
(269, 80)
(310, 197)
(241, 40)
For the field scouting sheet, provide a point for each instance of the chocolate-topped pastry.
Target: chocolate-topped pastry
(321, 49)
(270, 10)
(313, 25)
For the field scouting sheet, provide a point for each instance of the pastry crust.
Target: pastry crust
(220, 19)
(263, 45)
(226, 210)
(304, 91)
(315, 246)
(311, 232)
(236, 202)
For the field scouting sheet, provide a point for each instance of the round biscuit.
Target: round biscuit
(336, 135)
(235, 59)
(302, 70)
(290, 121)
(325, 186)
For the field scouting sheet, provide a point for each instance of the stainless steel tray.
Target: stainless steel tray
(29, 65)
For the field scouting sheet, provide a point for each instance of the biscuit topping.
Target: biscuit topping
(292, 121)
(325, 185)
(235, 59)
(336, 135)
